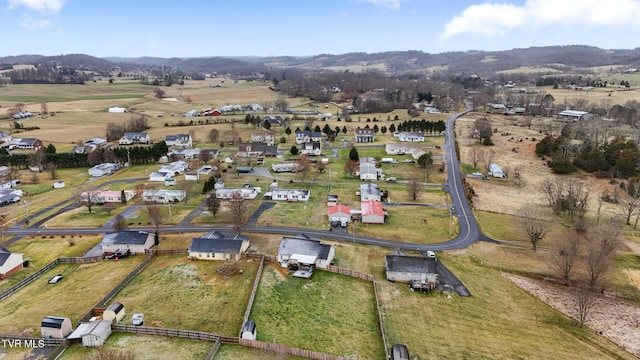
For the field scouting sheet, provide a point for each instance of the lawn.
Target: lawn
(41, 251)
(81, 288)
(144, 347)
(178, 293)
(329, 313)
(237, 352)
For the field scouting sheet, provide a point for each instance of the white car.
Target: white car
(431, 254)
(137, 319)
(55, 279)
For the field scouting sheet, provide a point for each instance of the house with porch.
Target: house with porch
(418, 271)
(306, 136)
(263, 137)
(302, 250)
(179, 140)
(138, 138)
(370, 191)
(164, 196)
(364, 135)
(311, 148)
(137, 242)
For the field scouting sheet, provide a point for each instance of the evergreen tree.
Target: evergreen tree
(353, 154)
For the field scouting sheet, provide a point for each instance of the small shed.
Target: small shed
(115, 312)
(248, 331)
(94, 333)
(58, 184)
(55, 327)
(400, 352)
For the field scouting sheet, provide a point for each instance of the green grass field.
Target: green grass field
(237, 352)
(329, 313)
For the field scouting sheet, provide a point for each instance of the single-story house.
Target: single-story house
(55, 327)
(104, 169)
(134, 138)
(248, 330)
(495, 171)
(305, 136)
(9, 196)
(95, 142)
(370, 191)
(247, 193)
(161, 175)
(164, 196)
(218, 246)
(94, 333)
(496, 108)
(411, 137)
(364, 135)
(275, 121)
(106, 196)
(372, 212)
(403, 268)
(339, 213)
(402, 149)
(182, 140)
(116, 109)
(303, 250)
(288, 195)
(115, 312)
(205, 169)
(6, 184)
(255, 107)
(369, 171)
(135, 241)
(59, 184)
(192, 176)
(176, 167)
(574, 115)
(286, 167)
(187, 153)
(10, 263)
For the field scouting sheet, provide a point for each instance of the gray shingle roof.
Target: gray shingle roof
(303, 245)
(217, 242)
(126, 238)
(411, 264)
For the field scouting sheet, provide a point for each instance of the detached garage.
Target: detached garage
(115, 312)
(10, 262)
(94, 333)
(339, 213)
(55, 327)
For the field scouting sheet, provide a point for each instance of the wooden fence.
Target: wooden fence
(58, 350)
(286, 350)
(214, 350)
(380, 324)
(166, 251)
(185, 334)
(349, 272)
(252, 297)
(79, 260)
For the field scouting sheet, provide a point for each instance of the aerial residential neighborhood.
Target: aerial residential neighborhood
(392, 205)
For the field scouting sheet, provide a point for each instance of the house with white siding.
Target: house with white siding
(218, 246)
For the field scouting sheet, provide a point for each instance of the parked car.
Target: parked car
(137, 319)
(391, 179)
(431, 254)
(343, 224)
(335, 223)
(55, 279)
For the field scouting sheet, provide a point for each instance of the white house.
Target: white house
(130, 138)
(135, 241)
(311, 148)
(106, 196)
(95, 142)
(288, 195)
(303, 250)
(263, 137)
(307, 136)
(116, 109)
(495, 171)
(104, 169)
(160, 175)
(10, 262)
(180, 140)
(402, 268)
(163, 196)
(370, 191)
(574, 115)
(58, 184)
(286, 167)
(410, 137)
(218, 246)
(369, 171)
(176, 167)
(247, 193)
(403, 149)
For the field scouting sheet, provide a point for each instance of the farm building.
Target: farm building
(10, 262)
(288, 195)
(135, 241)
(95, 142)
(303, 250)
(247, 193)
(364, 135)
(182, 140)
(191, 113)
(574, 115)
(339, 213)
(55, 327)
(134, 138)
(104, 169)
(372, 212)
(115, 312)
(370, 191)
(400, 352)
(496, 108)
(106, 196)
(94, 333)
(248, 331)
(495, 171)
(218, 246)
(164, 196)
(116, 109)
(410, 269)
(410, 137)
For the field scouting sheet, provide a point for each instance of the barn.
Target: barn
(10, 262)
(55, 327)
(94, 333)
(248, 330)
(115, 312)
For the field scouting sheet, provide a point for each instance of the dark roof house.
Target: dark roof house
(218, 246)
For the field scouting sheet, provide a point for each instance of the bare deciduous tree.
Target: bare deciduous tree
(475, 156)
(629, 205)
(487, 157)
(413, 188)
(303, 166)
(214, 135)
(584, 302)
(89, 199)
(565, 255)
(155, 215)
(238, 208)
(553, 192)
(120, 223)
(535, 225)
(213, 204)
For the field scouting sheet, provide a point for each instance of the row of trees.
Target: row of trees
(136, 123)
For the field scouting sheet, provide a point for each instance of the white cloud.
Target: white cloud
(391, 4)
(494, 19)
(30, 23)
(43, 6)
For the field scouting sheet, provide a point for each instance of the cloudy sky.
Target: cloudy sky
(194, 28)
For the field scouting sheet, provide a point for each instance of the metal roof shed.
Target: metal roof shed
(115, 312)
(55, 327)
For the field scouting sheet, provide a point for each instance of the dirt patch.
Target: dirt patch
(617, 321)
(634, 277)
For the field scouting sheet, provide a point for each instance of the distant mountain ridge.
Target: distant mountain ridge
(395, 62)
